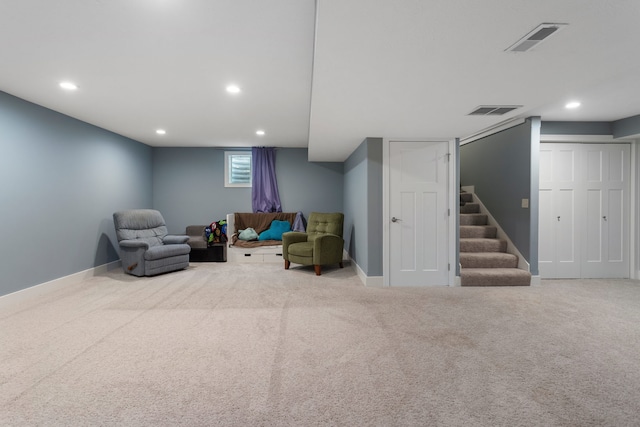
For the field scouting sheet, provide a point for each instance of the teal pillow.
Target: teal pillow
(275, 231)
(248, 234)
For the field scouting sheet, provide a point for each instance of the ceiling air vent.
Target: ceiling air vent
(493, 110)
(536, 36)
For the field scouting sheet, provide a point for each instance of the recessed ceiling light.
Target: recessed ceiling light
(68, 86)
(161, 131)
(572, 104)
(260, 132)
(233, 89)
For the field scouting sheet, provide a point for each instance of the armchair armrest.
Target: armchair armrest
(131, 243)
(175, 239)
(289, 238)
(327, 249)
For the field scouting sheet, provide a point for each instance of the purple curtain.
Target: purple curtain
(264, 191)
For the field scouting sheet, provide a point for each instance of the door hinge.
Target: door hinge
(448, 212)
(449, 267)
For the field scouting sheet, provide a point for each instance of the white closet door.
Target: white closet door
(559, 239)
(584, 210)
(605, 252)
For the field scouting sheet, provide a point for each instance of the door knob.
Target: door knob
(394, 219)
(558, 218)
(604, 217)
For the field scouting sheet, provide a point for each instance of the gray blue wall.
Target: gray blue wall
(624, 128)
(308, 186)
(500, 167)
(629, 127)
(188, 185)
(60, 182)
(363, 206)
(576, 128)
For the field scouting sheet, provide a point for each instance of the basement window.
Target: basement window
(237, 168)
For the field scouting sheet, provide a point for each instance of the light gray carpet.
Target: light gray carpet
(253, 345)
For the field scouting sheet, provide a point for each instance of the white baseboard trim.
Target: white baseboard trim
(369, 281)
(55, 284)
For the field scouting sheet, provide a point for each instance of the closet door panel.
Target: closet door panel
(593, 232)
(567, 238)
(615, 225)
(617, 167)
(593, 169)
(547, 230)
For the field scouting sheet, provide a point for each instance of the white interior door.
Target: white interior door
(419, 214)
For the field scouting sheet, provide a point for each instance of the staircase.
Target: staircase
(483, 257)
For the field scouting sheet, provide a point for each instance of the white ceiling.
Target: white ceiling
(323, 74)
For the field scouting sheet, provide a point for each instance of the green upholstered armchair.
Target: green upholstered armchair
(322, 244)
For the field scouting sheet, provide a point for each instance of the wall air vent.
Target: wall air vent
(536, 36)
(493, 110)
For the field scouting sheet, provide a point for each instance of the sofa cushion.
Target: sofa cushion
(196, 236)
(275, 231)
(196, 231)
(197, 242)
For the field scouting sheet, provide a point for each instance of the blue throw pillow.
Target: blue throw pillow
(275, 231)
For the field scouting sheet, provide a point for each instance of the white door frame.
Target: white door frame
(386, 215)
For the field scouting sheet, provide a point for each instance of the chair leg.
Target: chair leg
(341, 266)
(286, 264)
(318, 269)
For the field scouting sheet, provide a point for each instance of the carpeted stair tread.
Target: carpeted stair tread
(484, 260)
(482, 245)
(473, 219)
(488, 260)
(494, 277)
(478, 231)
(470, 208)
(466, 197)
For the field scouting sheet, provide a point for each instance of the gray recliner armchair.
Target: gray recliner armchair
(146, 249)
